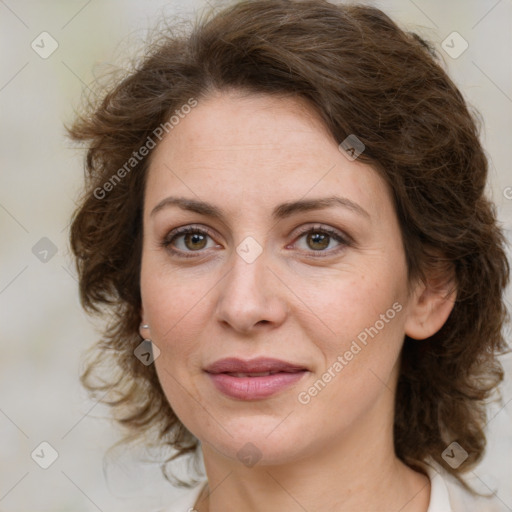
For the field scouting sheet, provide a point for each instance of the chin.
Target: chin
(262, 441)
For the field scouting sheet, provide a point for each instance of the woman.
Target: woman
(287, 205)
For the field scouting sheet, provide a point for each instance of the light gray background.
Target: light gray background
(43, 330)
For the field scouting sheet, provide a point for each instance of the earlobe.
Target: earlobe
(144, 331)
(143, 327)
(429, 308)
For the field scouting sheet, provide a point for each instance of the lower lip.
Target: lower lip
(254, 388)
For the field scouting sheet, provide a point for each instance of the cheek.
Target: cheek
(343, 305)
(173, 304)
(358, 327)
(176, 313)
(359, 363)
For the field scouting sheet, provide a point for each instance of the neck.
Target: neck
(360, 473)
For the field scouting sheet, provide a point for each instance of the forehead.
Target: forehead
(259, 148)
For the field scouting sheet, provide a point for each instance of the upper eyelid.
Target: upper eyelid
(188, 227)
(168, 240)
(191, 227)
(331, 231)
(328, 229)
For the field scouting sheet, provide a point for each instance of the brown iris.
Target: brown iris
(318, 241)
(195, 241)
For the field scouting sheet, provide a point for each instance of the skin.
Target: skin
(247, 154)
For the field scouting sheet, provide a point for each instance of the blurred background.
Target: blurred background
(52, 51)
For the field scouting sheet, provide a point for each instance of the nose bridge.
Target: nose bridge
(246, 280)
(247, 297)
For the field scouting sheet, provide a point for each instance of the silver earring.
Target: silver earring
(144, 326)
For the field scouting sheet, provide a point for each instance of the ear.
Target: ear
(431, 303)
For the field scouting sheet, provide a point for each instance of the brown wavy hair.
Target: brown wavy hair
(365, 76)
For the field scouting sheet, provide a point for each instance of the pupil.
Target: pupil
(318, 241)
(197, 241)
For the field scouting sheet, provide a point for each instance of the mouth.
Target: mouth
(254, 379)
(254, 374)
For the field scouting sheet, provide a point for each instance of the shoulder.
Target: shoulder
(186, 502)
(448, 495)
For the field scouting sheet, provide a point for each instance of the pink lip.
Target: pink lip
(283, 375)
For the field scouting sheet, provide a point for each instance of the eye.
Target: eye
(188, 239)
(321, 240)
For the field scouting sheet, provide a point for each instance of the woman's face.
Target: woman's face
(292, 254)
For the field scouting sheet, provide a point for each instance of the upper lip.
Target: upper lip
(259, 365)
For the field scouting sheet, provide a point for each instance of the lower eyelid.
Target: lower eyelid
(168, 241)
(171, 240)
(342, 244)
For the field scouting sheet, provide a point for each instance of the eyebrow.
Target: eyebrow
(280, 212)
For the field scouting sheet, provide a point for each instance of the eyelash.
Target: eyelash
(344, 240)
(175, 233)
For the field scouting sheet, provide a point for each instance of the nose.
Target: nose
(250, 296)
